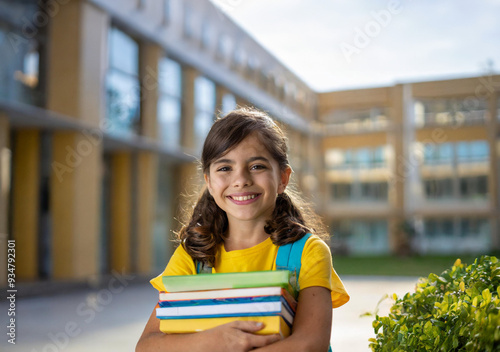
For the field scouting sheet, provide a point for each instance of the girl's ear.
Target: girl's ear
(285, 178)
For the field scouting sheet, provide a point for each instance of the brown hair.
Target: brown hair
(206, 226)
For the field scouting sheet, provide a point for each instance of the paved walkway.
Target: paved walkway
(113, 318)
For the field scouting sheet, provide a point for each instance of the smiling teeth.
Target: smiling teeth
(245, 197)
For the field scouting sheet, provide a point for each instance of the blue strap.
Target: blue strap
(289, 256)
(202, 269)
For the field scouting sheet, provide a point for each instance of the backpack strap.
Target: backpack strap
(289, 257)
(202, 269)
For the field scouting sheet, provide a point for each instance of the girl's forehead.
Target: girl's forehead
(250, 144)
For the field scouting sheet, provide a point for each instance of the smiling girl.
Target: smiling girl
(243, 215)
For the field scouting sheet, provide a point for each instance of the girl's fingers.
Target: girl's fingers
(247, 326)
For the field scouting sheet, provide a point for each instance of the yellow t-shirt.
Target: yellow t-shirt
(316, 267)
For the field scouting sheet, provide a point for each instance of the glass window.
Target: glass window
(471, 227)
(479, 150)
(228, 103)
(206, 36)
(223, 46)
(348, 159)
(445, 153)
(122, 84)
(123, 52)
(438, 188)
(473, 151)
(170, 101)
(204, 101)
(22, 54)
(341, 191)
(170, 77)
(431, 228)
(462, 151)
(166, 12)
(374, 191)
(474, 187)
(378, 157)
(188, 22)
(363, 158)
(360, 236)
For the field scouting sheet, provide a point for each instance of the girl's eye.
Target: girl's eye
(258, 167)
(224, 168)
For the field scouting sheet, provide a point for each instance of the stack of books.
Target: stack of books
(198, 302)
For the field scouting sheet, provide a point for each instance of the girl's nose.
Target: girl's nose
(242, 178)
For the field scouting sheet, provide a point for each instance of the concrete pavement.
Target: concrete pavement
(112, 318)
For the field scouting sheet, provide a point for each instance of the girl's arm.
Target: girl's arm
(312, 324)
(235, 336)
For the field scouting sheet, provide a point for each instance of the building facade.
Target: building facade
(104, 106)
(413, 167)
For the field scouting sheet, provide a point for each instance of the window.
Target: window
(476, 151)
(374, 118)
(360, 236)
(204, 101)
(239, 58)
(473, 227)
(363, 158)
(455, 111)
(436, 228)
(223, 46)
(206, 34)
(475, 187)
(22, 47)
(438, 188)
(341, 191)
(170, 101)
(188, 24)
(228, 103)
(436, 154)
(166, 12)
(122, 84)
(374, 191)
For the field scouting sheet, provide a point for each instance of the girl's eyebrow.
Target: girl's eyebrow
(249, 160)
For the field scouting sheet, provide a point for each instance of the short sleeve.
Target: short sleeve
(180, 263)
(317, 270)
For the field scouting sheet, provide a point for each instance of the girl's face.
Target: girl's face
(245, 182)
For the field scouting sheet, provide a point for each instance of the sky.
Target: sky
(347, 44)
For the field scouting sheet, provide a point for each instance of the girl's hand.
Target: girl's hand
(235, 336)
(240, 336)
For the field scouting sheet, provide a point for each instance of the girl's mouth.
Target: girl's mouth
(246, 199)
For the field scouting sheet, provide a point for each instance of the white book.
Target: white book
(226, 310)
(224, 293)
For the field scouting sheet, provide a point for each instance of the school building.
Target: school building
(104, 106)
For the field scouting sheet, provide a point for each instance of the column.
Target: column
(397, 185)
(150, 55)
(25, 202)
(147, 162)
(147, 172)
(77, 57)
(75, 205)
(121, 212)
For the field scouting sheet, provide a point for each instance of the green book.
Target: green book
(219, 281)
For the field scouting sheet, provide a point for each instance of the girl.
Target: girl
(241, 218)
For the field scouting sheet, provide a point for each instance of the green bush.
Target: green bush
(458, 310)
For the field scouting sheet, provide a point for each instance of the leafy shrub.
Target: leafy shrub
(458, 310)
